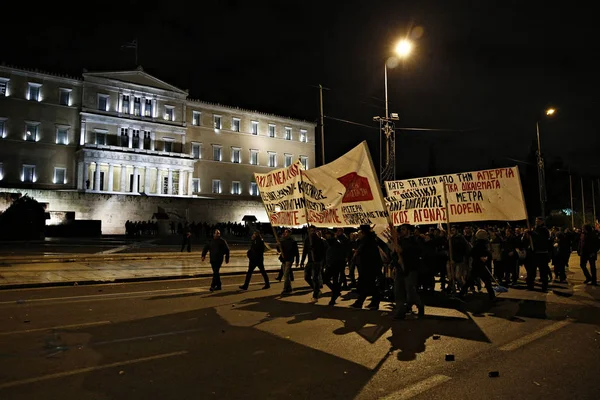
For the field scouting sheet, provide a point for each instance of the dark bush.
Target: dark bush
(25, 219)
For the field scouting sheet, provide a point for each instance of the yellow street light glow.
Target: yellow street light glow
(550, 111)
(404, 48)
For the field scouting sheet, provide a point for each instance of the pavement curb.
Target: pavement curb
(125, 280)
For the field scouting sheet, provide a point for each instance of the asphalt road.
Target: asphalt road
(176, 340)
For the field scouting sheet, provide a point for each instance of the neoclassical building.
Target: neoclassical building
(128, 132)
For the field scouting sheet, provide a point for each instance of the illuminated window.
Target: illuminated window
(254, 157)
(124, 137)
(2, 127)
(271, 130)
(195, 185)
(148, 108)
(253, 189)
(217, 152)
(3, 87)
(236, 157)
(196, 118)
(216, 186)
(254, 128)
(288, 133)
(272, 159)
(169, 113)
(28, 173)
(304, 161)
(125, 105)
(196, 151)
(60, 176)
(103, 100)
(33, 91)
(101, 137)
(64, 97)
(31, 131)
(235, 125)
(236, 187)
(303, 137)
(217, 121)
(287, 160)
(168, 145)
(62, 135)
(137, 106)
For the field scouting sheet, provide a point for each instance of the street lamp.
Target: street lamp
(540, 164)
(402, 50)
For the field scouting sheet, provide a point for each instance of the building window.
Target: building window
(196, 151)
(3, 87)
(31, 131)
(217, 152)
(125, 105)
(1, 171)
(60, 176)
(196, 118)
(217, 121)
(148, 108)
(253, 189)
(147, 140)
(254, 157)
(103, 102)
(2, 132)
(235, 125)
(304, 161)
(28, 173)
(62, 135)
(236, 187)
(271, 130)
(33, 91)
(124, 137)
(168, 146)
(64, 97)
(254, 128)
(169, 113)
(135, 140)
(101, 137)
(195, 185)
(216, 186)
(288, 133)
(287, 160)
(303, 136)
(272, 159)
(236, 156)
(137, 106)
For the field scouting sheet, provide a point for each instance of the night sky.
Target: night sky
(484, 70)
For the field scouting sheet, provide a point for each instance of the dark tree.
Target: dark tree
(25, 219)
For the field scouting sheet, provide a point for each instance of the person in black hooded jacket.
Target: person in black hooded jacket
(481, 265)
(256, 258)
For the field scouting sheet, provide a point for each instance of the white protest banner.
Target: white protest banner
(345, 192)
(487, 195)
(417, 205)
(279, 190)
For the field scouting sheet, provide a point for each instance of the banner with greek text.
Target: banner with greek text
(345, 192)
(488, 195)
(417, 205)
(281, 195)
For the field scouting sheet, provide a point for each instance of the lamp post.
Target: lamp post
(540, 165)
(387, 168)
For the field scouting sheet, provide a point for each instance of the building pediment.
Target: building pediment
(136, 77)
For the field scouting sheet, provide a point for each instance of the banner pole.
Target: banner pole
(450, 260)
(310, 243)
(525, 208)
(280, 249)
(393, 233)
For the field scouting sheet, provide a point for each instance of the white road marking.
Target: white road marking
(535, 335)
(56, 327)
(89, 369)
(417, 388)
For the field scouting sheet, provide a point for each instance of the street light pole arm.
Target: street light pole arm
(387, 115)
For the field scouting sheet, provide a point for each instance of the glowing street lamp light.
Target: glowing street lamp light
(550, 111)
(403, 48)
(540, 164)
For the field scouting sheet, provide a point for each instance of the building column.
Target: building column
(82, 133)
(80, 181)
(158, 182)
(189, 183)
(111, 181)
(135, 188)
(123, 186)
(180, 188)
(170, 187)
(130, 136)
(143, 177)
(97, 177)
(86, 175)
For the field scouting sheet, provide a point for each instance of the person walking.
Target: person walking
(289, 254)
(335, 261)
(588, 253)
(542, 245)
(218, 249)
(481, 265)
(256, 258)
(186, 240)
(369, 263)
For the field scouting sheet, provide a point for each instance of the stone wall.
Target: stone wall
(114, 210)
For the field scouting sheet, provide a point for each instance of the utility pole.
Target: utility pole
(571, 192)
(322, 127)
(583, 201)
(541, 173)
